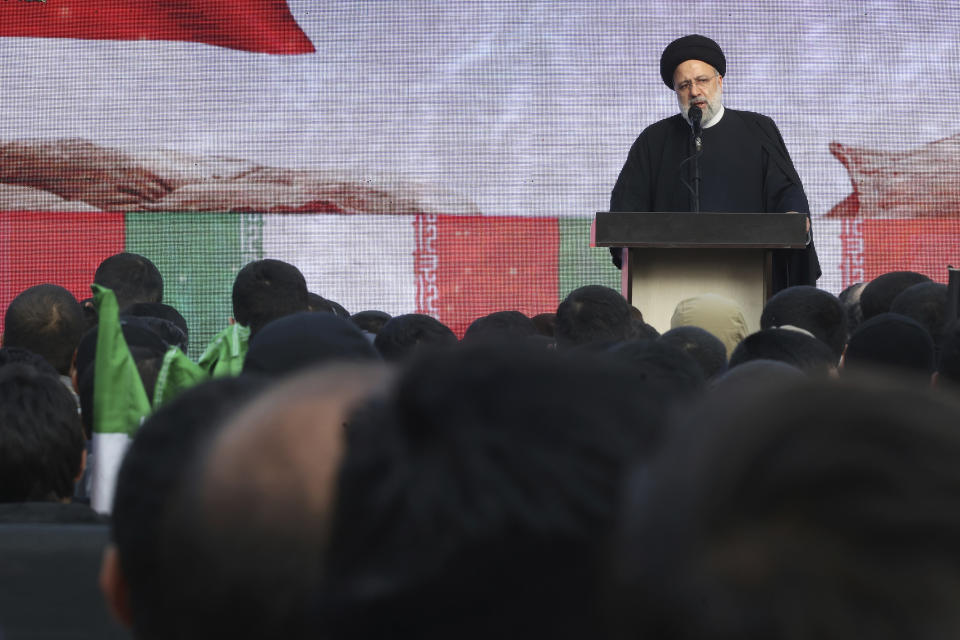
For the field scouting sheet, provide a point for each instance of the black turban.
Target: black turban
(692, 47)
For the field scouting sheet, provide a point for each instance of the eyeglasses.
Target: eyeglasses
(701, 82)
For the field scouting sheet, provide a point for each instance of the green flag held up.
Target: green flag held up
(177, 373)
(120, 402)
(224, 356)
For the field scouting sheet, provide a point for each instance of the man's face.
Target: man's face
(698, 83)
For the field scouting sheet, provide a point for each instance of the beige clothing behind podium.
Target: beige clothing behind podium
(719, 315)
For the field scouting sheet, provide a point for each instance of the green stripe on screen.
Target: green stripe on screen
(199, 255)
(579, 263)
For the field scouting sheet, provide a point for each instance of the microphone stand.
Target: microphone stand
(696, 115)
(695, 165)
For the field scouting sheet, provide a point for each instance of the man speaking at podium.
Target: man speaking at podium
(743, 163)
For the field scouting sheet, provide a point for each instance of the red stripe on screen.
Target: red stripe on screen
(924, 245)
(56, 248)
(264, 26)
(470, 266)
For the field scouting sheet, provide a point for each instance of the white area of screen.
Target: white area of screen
(526, 108)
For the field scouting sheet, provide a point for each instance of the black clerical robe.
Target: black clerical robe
(744, 167)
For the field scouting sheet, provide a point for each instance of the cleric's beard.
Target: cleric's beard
(710, 109)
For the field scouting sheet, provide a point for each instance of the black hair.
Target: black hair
(850, 299)
(405, 334)
(17, 355)
(41, 439)
(814, 310)
(500, 325)
(786, 345)
(318, 303)
(168, 332)
(592, 314)
(893, 341)
(176, 335)
(149, 484)
(704, 347)
(47, 320)
(481, 489)
(131, 277)
(640, 330)
(663, 368)
(824, 509)
(925, 302)
(545, 323)
(879, 294)
(750, 375)
(265, 290)
(370, 321)
(249, 524)
(306, 339)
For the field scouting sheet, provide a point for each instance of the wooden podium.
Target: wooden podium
(673, 256)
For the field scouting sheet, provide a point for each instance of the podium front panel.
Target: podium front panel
(659, 279)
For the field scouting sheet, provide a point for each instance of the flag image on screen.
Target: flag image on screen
(440, 158)
(264, 26)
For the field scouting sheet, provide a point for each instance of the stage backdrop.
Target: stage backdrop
(441, 157)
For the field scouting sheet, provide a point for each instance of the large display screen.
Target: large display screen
(428, 156)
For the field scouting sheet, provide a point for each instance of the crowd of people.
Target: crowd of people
(576, 474)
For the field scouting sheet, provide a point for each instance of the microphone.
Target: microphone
(696, 115)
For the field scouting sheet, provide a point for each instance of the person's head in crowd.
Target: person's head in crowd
(890, 340)
(89, 312)
(925, 302)
(850, 299)
(370, 321)
(879, 294)
(316, 302)
(254, 514)
(666, 370)
(948, 364)
(17, 355)
(163, 319)
(593, 314)
(401, 336)
(170, 334)
(265, 290)
(815, 310)
(704, 347)
(303, 340)
(147, 348)
(755, 373)
(42, 450)
(137, 334)
(826, 509)
(714, 313)
(541, 341)
(791, 346)
(47, 320)
(545, 323)
(640, 330)
(131, 277)
(500, 325)
(140, 581)
(472, 500)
